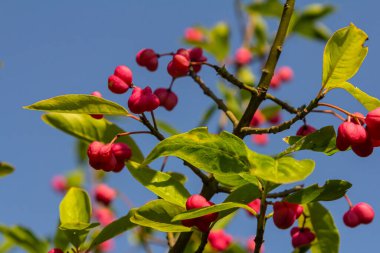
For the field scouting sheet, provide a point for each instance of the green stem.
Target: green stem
(268, 70)
(261, 220)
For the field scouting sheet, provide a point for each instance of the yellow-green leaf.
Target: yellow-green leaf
(369, 102)
(75, 209)
(79, 104)
(343, 55)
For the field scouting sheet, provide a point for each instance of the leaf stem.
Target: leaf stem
(330, 112)
(128, 133)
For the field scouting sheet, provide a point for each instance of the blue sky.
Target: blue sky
(51, 48)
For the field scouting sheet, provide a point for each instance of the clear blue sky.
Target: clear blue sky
(51, 48)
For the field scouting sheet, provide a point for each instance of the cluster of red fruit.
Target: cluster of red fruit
(183, 59)
(202, 223)
(362, 140)
(284, 215)
(361, 213)
(108, 157)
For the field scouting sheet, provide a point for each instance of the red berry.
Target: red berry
(219, 240)
(104, 215)
(99, 95)
(179, 66)
(364, 212)
(59, 183)
(373, 123)
(143, 100)
(168, 99)
(285, 73)
(101, 157)
(55, 250)
(275, 82)
(147, 58)
(284, 214)
(351, 219)
(105, 194)
(196, 54)
(124, 73)
(117, 85)
(260, 139)
(363, 149)
(257, 119)
(243, 56)
(203, 223)
(196, 201)
(302, 237)
(255, 205)
(354, 133)
(184, 52)
(342, 142)
(193, 34)
(121, 151)
(305, 130)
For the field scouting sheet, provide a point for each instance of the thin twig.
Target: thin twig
(285, 193)
(330, 112)
(302, 112)
(268, 70)
(219, 102)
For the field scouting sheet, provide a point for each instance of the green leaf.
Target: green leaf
(369, 102)
(5, 169)
(160, 183)
(222, 154)
(218, 41)
(245, 75)
(85, 128)
(195, 213)
(75, 209)
(306, 23)
(166, 127)
(231, 180)
(24, 238)
(343, 55)
(331, 190)
(322, 224)
(283, 170)
(113, 229)
(271, 8)
(79, 104)
(158, 214)
(179, 177)
(322, 140)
